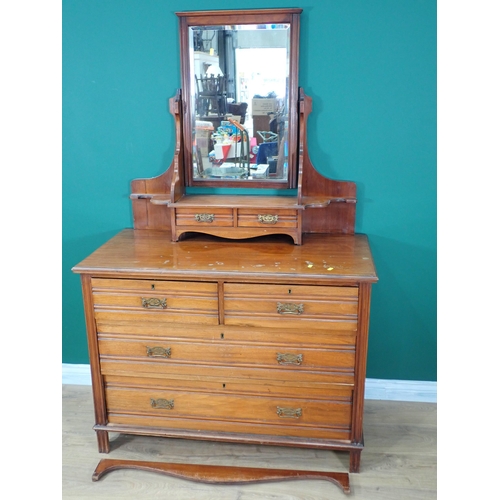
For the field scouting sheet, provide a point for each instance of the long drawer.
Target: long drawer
(201, 373)
(290, 306)
(172, 408)
(340, 334)
(152, 301)
(225, 353)
(242, 381)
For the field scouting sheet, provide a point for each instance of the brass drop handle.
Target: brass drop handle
(153, 303)
(164, 404)
(158, 352)
(289, 412)
(288, 359)
(287, 308)
(204, 217)
(267, 219)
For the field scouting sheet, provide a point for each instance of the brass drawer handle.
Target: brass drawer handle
(158, 352)
(289, 308)
(204, 217)
(164, 404)
(289, 412)
(154, 303)
(288, 359)
(267, 219)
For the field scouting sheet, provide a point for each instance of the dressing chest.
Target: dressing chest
(233, 318)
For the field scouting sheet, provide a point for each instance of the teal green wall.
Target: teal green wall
(370, 67)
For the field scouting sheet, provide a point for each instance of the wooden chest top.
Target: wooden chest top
(148, 253)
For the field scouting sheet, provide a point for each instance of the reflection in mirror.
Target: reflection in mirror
(240, 101)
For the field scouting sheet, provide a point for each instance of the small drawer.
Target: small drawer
(267, 218)
(150, 301)
(201, 217)
(290, 306)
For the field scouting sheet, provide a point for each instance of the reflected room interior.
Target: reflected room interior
(240, 101)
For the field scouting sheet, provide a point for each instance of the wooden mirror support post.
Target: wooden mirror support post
(205, 322)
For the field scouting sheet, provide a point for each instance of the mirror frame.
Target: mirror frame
(240, 17)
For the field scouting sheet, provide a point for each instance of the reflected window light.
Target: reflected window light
(214, 70)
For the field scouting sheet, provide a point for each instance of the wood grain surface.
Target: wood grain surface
(323, 258)
(184, 289)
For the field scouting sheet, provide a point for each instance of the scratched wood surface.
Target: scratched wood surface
(150, 254)
(399, 460)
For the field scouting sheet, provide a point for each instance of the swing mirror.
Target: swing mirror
(240, 97)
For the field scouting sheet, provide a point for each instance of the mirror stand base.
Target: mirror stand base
(221, 474)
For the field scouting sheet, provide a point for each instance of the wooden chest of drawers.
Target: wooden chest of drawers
(254, 341)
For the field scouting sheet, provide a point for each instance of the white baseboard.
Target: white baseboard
(76, 374)
(390, 390)
(401, 390)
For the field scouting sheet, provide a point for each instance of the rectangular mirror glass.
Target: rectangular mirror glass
(240, 102)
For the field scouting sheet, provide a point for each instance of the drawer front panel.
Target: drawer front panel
(295, 306)
(199, 217)
(189, 288)
(167, 369)
(224, 353)
(149, 301)
(267, 218)
(339, 335)
(235, 383)
(263, 432)
(153, 318)
(277, 411)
